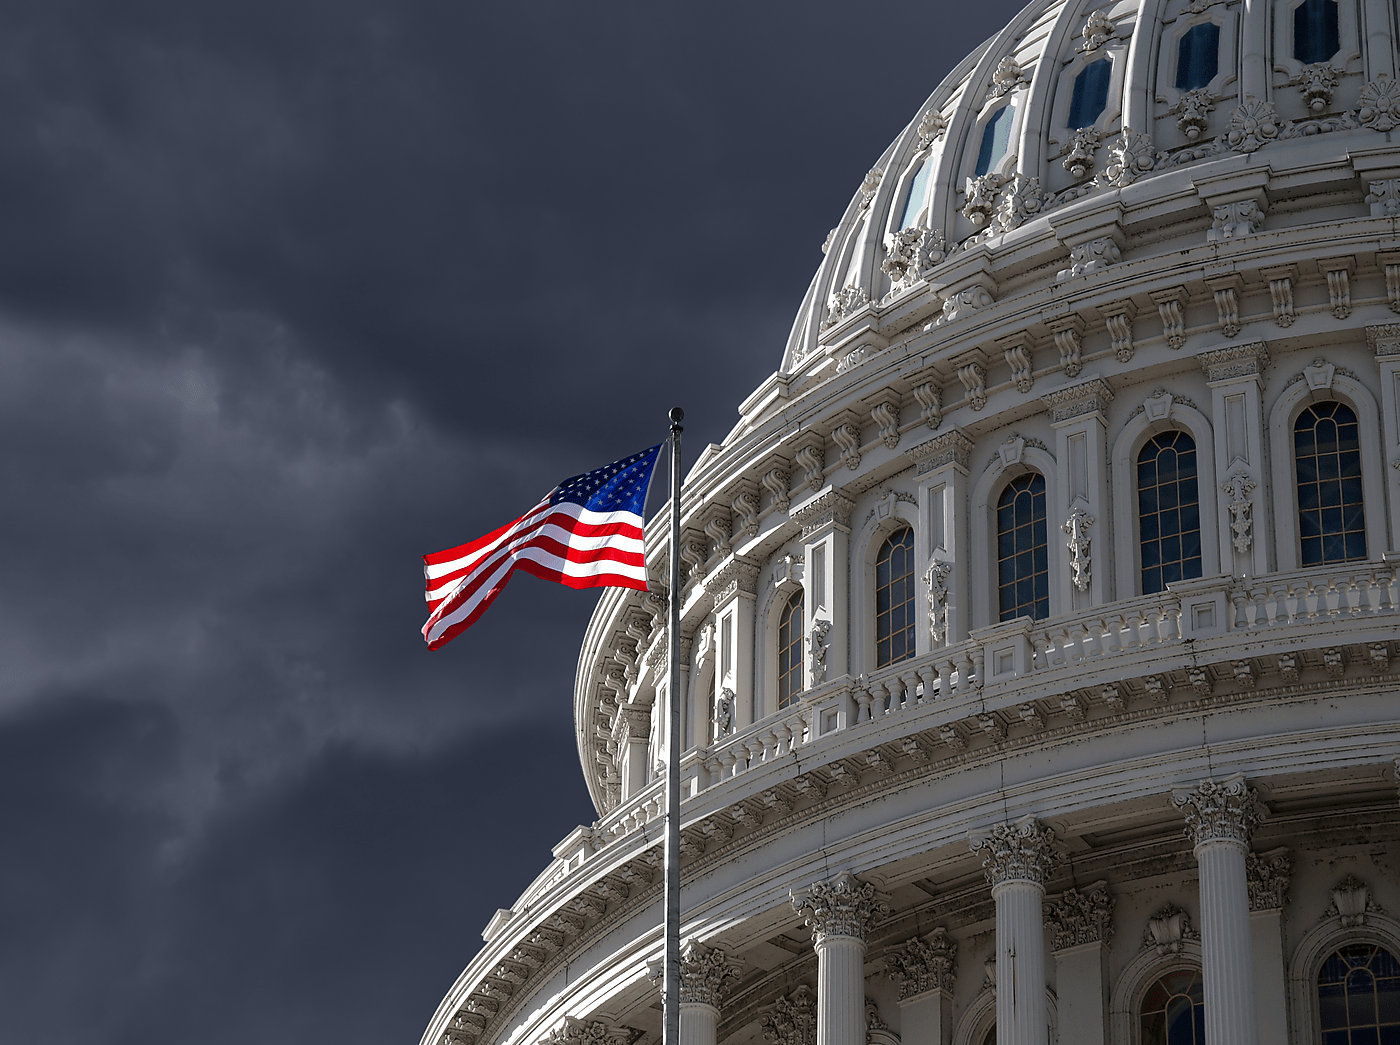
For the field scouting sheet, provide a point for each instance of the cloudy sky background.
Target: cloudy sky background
(290, 293)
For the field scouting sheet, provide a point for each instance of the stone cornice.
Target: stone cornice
(830, 507)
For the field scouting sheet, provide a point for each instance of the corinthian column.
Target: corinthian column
(1016, 858)
(840, 913)
(704, 973)
(1220, 818)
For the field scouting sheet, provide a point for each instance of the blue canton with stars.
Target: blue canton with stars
(617, 487)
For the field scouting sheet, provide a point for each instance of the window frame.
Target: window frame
(1133, 983)
(914, 594)
(1348, 36)
(996, 550)
(983, 530)
(890, 514)
(1223, 84)
(799, 595)
(1316, 946)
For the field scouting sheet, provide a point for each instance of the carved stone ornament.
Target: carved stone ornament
(931, 128)
(909, 254)
(847, 437)
(1233, 220)
(1168, 929)
(1021, 198)
(870, 186)
(1316, 84)
(1076, 918)
(974, 378)
(816, 650)
(1118, 319)
(1130, 155)
(1077, 527)
(590, 1032)
(830, 507)
(1190, 112)
(842, 906)
(1224, 364)
(886, 417)
(1252, 126)
(936, 580)
(979, 198)
(1281, 294)
(1384, 199)
(1268, 875)
(791, 1020)
(924, 965)
(1092, 395)
(1097, 31)
(812, 460)
(724, 712)
(1018, 358)
(1219, 811)
(1351, 902)
(745, 504)
(1093, 256)
(1383, 339)
(952, 447)
(930, 399)
(775, 481)
(704, 973)
(844, 303)
(1007, 76)
(963, 304)
(1379, 104)
(1238, 487)
(1169, 309)
(1079, 160)
(1022, 851)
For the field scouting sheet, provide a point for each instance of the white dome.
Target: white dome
(1068, 523)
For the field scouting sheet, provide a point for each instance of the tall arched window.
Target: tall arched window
(1327, 454)
(1358, 996)
(790, 650)
(996, 139)
(1090, 96)
(894, 599)
(917, 187)
(1198, 56)
(1315, 34)
(1169, 511)
(1023, 557)
(1173, 1010)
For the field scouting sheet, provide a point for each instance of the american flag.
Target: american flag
(586, 533)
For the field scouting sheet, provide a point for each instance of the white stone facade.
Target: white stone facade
(1027, 822)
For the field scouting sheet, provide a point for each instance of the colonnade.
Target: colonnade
(1017, 858)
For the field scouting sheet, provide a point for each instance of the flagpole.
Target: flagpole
(671, 995)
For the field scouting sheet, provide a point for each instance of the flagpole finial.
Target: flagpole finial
(677, 416)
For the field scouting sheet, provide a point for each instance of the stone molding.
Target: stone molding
(923, 965)
(737, 575)
(590, 1032)
(1022, 851)
(1224, 811)
(1383, 339)
(1075, 918)
(841, 906)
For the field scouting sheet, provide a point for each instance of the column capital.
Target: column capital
(1268, 876)
(791, 1020)
(842, 906)
(1219, 811)
(1021, 851)
(1076, 918)
(923, 965)
(704, 973)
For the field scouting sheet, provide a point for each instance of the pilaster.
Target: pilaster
(840, 913)
(1079, 512)
(733, 588)
(941, 470)
(826, 539)
(1081, 926)
(1236, 378)
(1016, 858)
(1220, 819)
(1268, 877)
(1384, 340)
(925, 970)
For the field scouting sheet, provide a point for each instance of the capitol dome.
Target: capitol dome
(1040, 612)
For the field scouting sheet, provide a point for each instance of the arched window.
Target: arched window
(917, 187)
(790, 650)
(1198, 56)
(1173, 1010)
(1358, 996)
(1090, 95)
(1169, 511)
(1327, 454)
(894, 599)
(1023, 558)
(1315, 35)
(996, 139)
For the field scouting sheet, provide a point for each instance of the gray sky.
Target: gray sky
(290, 293)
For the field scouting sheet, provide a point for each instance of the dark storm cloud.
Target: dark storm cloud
(290, 293)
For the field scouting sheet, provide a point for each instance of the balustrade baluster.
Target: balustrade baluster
(755, 746)
(1172, 617)
(964, 669)
(910, 679)
(1040, 644)
(979, 664)
(1238, 597)
(881, 702)
(1114, 633)
(945, 678)
(1137, 618)
(862, 695)
(1281, 613)
(730, 760)
(1259, 597)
